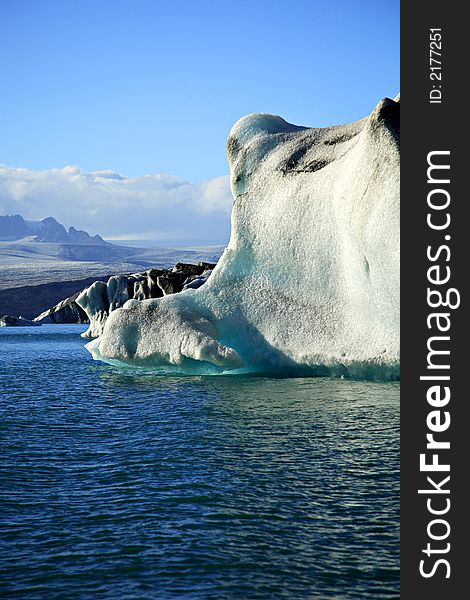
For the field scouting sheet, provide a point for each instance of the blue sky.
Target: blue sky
(151, 86)
(154, 86)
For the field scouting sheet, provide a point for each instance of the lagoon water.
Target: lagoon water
(121, 484)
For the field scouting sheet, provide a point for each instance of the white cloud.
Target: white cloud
(151, 206)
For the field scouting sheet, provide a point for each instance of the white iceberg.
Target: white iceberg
(309, 283)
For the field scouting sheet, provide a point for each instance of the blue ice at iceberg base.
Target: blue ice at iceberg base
(309, 282)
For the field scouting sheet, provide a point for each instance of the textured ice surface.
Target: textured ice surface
(309, 283)
(100, 299)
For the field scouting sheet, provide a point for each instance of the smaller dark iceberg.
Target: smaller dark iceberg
(66, 311)
(11, 321)
(99, 299)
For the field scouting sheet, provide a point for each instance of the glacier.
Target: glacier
(309, 282)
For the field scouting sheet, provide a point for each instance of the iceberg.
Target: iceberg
(99, 299)
(66, 311)
(309, 282)
(12, 321)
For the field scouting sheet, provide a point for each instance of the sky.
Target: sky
(144, 87)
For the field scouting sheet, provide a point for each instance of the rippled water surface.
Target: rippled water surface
(122, 484)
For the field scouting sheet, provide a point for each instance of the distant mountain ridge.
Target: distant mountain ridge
(14, 227)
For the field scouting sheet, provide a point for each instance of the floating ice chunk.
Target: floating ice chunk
(12, 321)
(94, 301)
(167, 332)
(309, 282)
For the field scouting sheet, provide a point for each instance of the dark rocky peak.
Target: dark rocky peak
(53, 231)
(13, 227)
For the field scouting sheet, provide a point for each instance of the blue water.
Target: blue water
(121, 484)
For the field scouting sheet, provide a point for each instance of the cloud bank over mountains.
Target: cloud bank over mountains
(156, 206)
